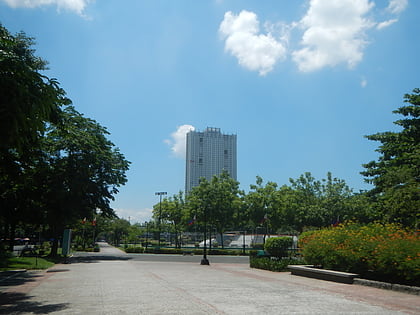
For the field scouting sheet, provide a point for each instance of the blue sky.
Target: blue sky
(300, 82)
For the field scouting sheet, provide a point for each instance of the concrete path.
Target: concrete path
(117, 285)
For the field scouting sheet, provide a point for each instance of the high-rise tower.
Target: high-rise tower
(208, 154)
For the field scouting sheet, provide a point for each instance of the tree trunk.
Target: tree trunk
(56, 236)
(221, 238)
(54, 248)
(12, 235)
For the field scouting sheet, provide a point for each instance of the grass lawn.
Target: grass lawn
(14, 263)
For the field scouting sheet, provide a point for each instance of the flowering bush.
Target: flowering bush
(379, 251)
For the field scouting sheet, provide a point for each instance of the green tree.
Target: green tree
(118, 230)
(396, 173)
(262, 204)
(226, 194)
(82, 171)
(56, 166)
(28, 101)
(361, 209)
(320, 203)
(173, 210)
(307, 209)
(216, 202)
(28, 98)
(335, 199)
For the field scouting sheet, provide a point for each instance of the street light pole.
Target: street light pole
(243, 243)
(147, 233)
(160, 194)
(205, 261)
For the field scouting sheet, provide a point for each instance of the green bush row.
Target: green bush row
(377, 251)
(180, 251)
(272, 264)
(86, 249)
(134, 249)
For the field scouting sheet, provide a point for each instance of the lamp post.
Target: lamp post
(205, 261)
(160, 194)
(265, 219)
(243, 243)
(147, 233)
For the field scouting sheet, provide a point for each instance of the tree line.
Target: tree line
(56, 166)
(307, 203)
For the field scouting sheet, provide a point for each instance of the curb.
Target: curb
(388, 286)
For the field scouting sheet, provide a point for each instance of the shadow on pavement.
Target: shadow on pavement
(95, 258)
(19, 303)
(17, 278)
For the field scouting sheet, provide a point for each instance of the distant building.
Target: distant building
(208, 154)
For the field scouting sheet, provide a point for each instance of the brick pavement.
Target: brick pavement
(116, 285)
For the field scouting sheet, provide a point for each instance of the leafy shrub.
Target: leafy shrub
(272, 264)
(377, 251)
(230, 252)
(134, 249)
(278, 246)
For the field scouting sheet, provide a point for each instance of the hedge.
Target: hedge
(272, 264)
(278, 246)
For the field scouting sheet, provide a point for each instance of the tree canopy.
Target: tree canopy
(28, 98)
(216, 201)
(83, 170)
(396, 173)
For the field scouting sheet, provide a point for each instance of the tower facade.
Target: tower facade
(208, 154)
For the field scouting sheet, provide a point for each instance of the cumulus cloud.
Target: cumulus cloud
(397, 6)
(334, 33)
(77, 6)
(254, 51)
(178, 140)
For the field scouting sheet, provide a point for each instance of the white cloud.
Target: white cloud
(334, 33)
(385, 24)
(254, 51)
(178, 141)
(397, 6)
(77, 6)
(363, 83)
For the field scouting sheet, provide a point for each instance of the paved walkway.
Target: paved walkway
(115, 285)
